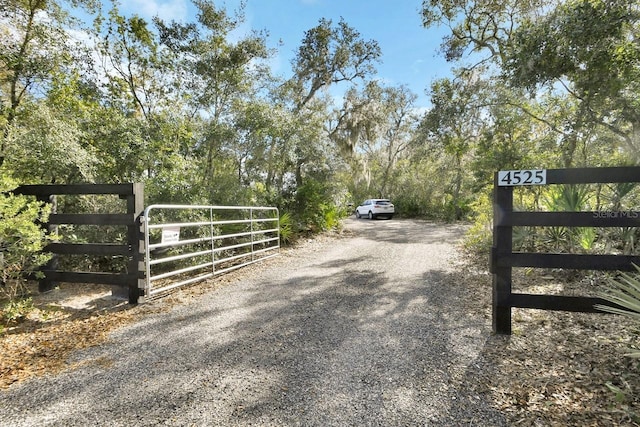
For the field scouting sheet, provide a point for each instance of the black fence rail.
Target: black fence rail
(128, 283)
(503, 258)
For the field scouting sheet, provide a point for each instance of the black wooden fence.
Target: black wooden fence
(503, 258)
(129, 282)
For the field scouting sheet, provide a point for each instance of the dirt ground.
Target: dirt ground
(556, 369)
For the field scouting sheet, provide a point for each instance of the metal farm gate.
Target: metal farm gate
(163, 246)
(185, 244)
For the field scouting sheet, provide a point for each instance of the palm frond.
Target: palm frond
(624, 293)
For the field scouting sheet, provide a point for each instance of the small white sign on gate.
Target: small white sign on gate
(170, 234)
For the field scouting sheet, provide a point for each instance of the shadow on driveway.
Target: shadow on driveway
(339, 341)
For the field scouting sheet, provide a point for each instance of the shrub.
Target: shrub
(315, 209)
(625, 293)
(16, 310)
(287, 233)
(480, 236)
(22, 239)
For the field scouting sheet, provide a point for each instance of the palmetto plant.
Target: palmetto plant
(624, 293)
(556, 238)
(568, 198)
(619, 191)
(287, 232)
(524, 238)
(586, 237)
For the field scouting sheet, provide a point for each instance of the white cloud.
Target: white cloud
(172, 10)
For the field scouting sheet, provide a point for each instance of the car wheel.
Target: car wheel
(370, 215)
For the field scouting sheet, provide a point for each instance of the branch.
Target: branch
(535, 117)
(598, 119)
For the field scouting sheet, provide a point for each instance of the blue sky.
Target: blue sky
(409, 51)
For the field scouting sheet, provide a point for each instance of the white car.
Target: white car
(373, 208)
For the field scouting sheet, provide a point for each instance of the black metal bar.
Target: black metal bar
(571, 219)
(92, 219)
(135, 237)
(569, 261)
(104, 278)
(112, 249)
(45, 284)
(134, 194)
(558, 302)
(593, 175)
(503, 259)
(61, 189)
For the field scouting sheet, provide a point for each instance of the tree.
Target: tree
(45, 148)
(142, 88)
(25, 27)
(327, 56)
(133, 64)
(578, 49)
(220, 72)
(589, 48)
(453, 125)
(479, 27)
(330, 55)
(373, 130)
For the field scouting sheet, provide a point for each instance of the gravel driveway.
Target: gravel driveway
(365, 330)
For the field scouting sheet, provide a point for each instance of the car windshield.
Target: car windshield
(382, 202)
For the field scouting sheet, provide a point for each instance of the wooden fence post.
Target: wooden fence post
(135, 241)
(502, 245)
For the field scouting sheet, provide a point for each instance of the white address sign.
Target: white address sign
(522, 177)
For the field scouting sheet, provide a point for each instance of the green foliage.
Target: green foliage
(564, 198)
(43, 148)
(287, 231)
(21, 239)
(623, 395)
(315, 209)
(558, 239)
(586, 237)
(479, 237)
(620, 192)
(332, 54)
(624, 292)
(570, 98)
(15, 310)
(33, 51)
(331, 217)
(408, 206)
(567, 198)
(589, 45)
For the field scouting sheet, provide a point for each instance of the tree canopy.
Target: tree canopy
(199, 116)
